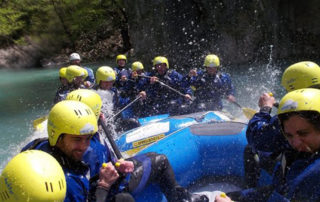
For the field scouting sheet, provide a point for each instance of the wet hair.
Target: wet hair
(313, 117)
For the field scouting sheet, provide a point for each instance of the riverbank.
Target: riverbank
(47, 55)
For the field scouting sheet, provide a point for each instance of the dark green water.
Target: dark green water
(27, 95)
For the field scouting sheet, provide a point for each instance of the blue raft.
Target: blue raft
(158, 127)
(199, 147)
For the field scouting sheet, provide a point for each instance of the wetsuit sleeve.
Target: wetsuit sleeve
(90, 76)
(228, 86)
(306, 186)
(61, 94)
(178, 82)
(76, 189)
(262, 129)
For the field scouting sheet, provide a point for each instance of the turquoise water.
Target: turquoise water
(27, 95)
(24, 96)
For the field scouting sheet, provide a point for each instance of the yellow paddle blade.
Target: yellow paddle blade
(249, 113)
(38, 123)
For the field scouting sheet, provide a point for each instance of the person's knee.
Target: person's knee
(123, 197)
(161, 159)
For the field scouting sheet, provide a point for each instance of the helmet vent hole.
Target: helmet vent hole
(75, 111)
(51, 186)
(88, 112)
(47, 188)
(4, 195)
(62, 185)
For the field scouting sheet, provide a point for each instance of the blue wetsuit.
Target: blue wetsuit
(119, 73)
(61, 94)
(296, 178)
(90, 76)
(77, 173)
(210, 89)
(295, 175)
(129, 92)
(264, 128)
(148, 168)
(161, 99)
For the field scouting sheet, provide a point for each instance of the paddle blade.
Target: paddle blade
(38, 123)
(249, 113)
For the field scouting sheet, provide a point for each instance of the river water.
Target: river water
(28, 94)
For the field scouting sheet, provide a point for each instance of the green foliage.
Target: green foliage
(57, 20)
(10, 22)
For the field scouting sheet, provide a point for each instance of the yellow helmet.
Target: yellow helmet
(160, 60)
(137, 66)
(70, 117)
(62, 72)
(85, 73)
(32, 175)
(211, 61)
(306, 99)
(121, 57)
(301, 75)
(74, 71)
(88, 97)
(105, 73)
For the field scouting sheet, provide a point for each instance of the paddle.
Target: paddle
(37, 123)
(167, 86)
(111, 140)
(128, 105)
(248, 112)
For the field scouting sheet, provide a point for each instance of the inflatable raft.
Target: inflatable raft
(155, 128)
(202, 148)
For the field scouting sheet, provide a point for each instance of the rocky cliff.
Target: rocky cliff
(239, 31)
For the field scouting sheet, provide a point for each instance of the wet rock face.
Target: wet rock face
(239, 31)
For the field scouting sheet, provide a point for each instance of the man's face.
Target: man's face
(106, 85)
(139, 72)
(74, 146)
(212, 70)
(77, 81)
(301, 134)
(75, 62)
(161, 68)
(64, 81)
(121, 63)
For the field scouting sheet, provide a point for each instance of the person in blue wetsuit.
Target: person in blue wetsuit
(135, 86)
(132, 174)
(106, 78)
(27, 175)
(64, 86)
(89, 80)
(296, 175)
(71, 125)
(264, 128)
(112, 102)
(122, 72)
(74, 75)
(210, 86)
(161, 99)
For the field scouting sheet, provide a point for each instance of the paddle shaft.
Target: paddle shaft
(128, 105)
(237, 104)
(111, 140)
(167, 86)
